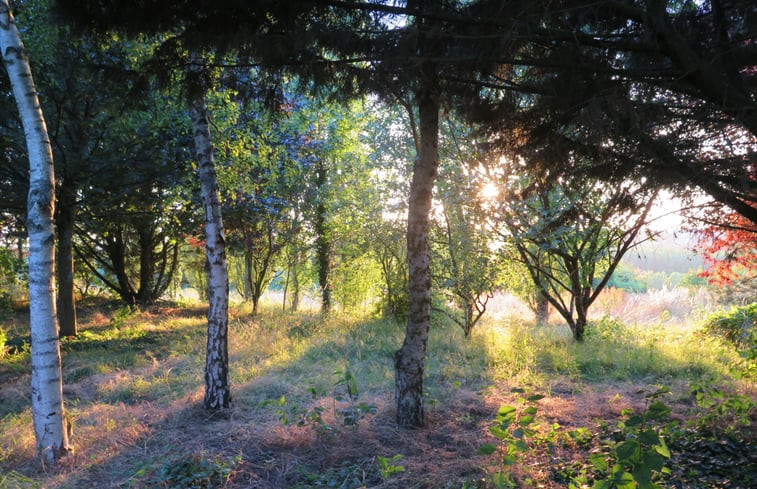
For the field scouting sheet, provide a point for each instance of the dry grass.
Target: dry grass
(135, 395)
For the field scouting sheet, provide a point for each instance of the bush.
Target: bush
(735, 325)
(6, 306)
(3, 339)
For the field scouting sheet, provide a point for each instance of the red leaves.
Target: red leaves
(731, 251)
(196, 243)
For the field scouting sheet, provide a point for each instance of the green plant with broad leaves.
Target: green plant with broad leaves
(345, 390)
(515, 430)
(721, 412)
(189, 471)
(637, 454)
(388, 465)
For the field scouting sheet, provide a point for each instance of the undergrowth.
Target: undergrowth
(330, 377)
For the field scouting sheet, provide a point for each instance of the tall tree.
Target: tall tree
(47, 387)
(217, 390)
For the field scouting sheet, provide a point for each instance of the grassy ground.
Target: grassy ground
(313, 404)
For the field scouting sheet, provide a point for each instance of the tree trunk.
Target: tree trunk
(64, 219)
(410, 359)
(146, 262)
(286, 289)
(542, 309)
(217, 391)
(323, 241)
(247, 289)
(295, 290)
(578, 328)
(46, 384)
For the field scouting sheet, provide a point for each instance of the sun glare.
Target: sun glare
(489, 191)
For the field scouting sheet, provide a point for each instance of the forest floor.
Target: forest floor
(313, 405)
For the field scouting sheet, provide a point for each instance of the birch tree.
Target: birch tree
(217, 391)
(50, 424)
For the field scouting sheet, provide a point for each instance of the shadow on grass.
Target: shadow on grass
(98, 350)
(132, 440)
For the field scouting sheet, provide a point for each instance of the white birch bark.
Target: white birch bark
(217, 391)
(47, 387)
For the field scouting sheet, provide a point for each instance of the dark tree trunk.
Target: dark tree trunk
(64, 220)
(410, 359)
(116, 251)
(255, 300)
(217, 390)
(578, 328)
(247, 289)
(146, 263)
(323, 242)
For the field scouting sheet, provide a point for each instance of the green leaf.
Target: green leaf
(601, 484)
(657, 410)
(642, 474)
(487, 449)
(535, 397)
(649, 437)
(634, 420)
(648, 485)
(500, 479)
(499, 432)
(622, 479)
(530, 410)
(518, 433)
(505, 411)
(653, 460)
(662, 449)
(598, 461)
(526, 420)
(509, 460)
(628, 451)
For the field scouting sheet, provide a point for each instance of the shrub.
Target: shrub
(6, 306)
(735, 325)
(3, 339)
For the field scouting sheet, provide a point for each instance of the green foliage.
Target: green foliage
(186, 472)
(737, 325)
(722, 412)
(6, 306)
(626, 278)
(692, 279)
(636, 456)
(9, 266)
(515, 430)
(464, 268)
(121, 315)
(388, 465)
(3, 338)
(571, 236)
(355, 281)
